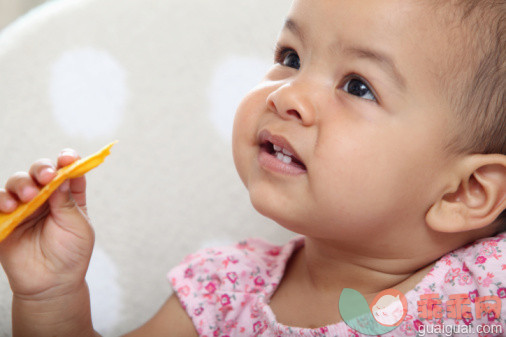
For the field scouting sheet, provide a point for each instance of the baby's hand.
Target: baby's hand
(48, 254)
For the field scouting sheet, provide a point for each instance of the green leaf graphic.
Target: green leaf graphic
(356, 314)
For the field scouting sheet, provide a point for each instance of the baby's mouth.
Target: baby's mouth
(279, 148)
(282, 154)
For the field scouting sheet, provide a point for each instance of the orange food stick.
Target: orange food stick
(77, 169)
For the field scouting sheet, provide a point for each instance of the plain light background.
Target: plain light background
(12, 9)
(164, 78)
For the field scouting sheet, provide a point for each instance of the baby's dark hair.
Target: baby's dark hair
(476, 84)
(478, 29)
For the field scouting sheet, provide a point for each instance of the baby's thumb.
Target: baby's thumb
(64, 209)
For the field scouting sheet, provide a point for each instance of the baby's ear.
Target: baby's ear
(476, 195)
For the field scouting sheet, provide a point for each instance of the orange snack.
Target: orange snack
(77, 169)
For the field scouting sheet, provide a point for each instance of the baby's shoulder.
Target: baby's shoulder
(247, 266)
(470, 278)
(222, 287)
(477, 268)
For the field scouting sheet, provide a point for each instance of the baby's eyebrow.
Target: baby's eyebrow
(294, 28)
(382, 59)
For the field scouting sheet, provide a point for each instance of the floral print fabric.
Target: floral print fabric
(226, 291)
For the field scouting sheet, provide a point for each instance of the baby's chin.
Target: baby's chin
(282, 215)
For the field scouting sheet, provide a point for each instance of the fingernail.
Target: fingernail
(67, 153)
(27, 192)
(9, 204)
(65, 186)
(48, 171)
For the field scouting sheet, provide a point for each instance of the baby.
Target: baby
(379, 136)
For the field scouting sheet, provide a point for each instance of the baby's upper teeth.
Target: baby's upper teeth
(280, 149)
(283, 158)
(287, 153)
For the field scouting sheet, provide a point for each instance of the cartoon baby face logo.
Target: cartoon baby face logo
(389, 307)
(384, 314)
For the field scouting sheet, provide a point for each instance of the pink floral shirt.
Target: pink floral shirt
(226, 291)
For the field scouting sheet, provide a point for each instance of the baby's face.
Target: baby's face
(354, 92)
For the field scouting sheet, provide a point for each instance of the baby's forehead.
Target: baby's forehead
(405, 30)
(371, 20)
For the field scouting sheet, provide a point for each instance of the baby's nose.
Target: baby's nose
(292, 101)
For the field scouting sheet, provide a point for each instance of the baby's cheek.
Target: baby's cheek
(243, 152)
(240, 161)
(244, 120)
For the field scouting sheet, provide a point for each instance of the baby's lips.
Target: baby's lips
(265, 136)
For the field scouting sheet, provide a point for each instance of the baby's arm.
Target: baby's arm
(170, 320)
(46, 258)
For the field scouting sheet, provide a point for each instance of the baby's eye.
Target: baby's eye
(287, 57)
(357, 87)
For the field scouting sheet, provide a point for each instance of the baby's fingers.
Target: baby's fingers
(8, 203)
(22, 186)
(43, 171)
(67, 157)
(77, 185)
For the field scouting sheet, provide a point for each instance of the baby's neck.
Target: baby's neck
(318, 273)
(325, 268)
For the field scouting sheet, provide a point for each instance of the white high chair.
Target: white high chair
(164, 78)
